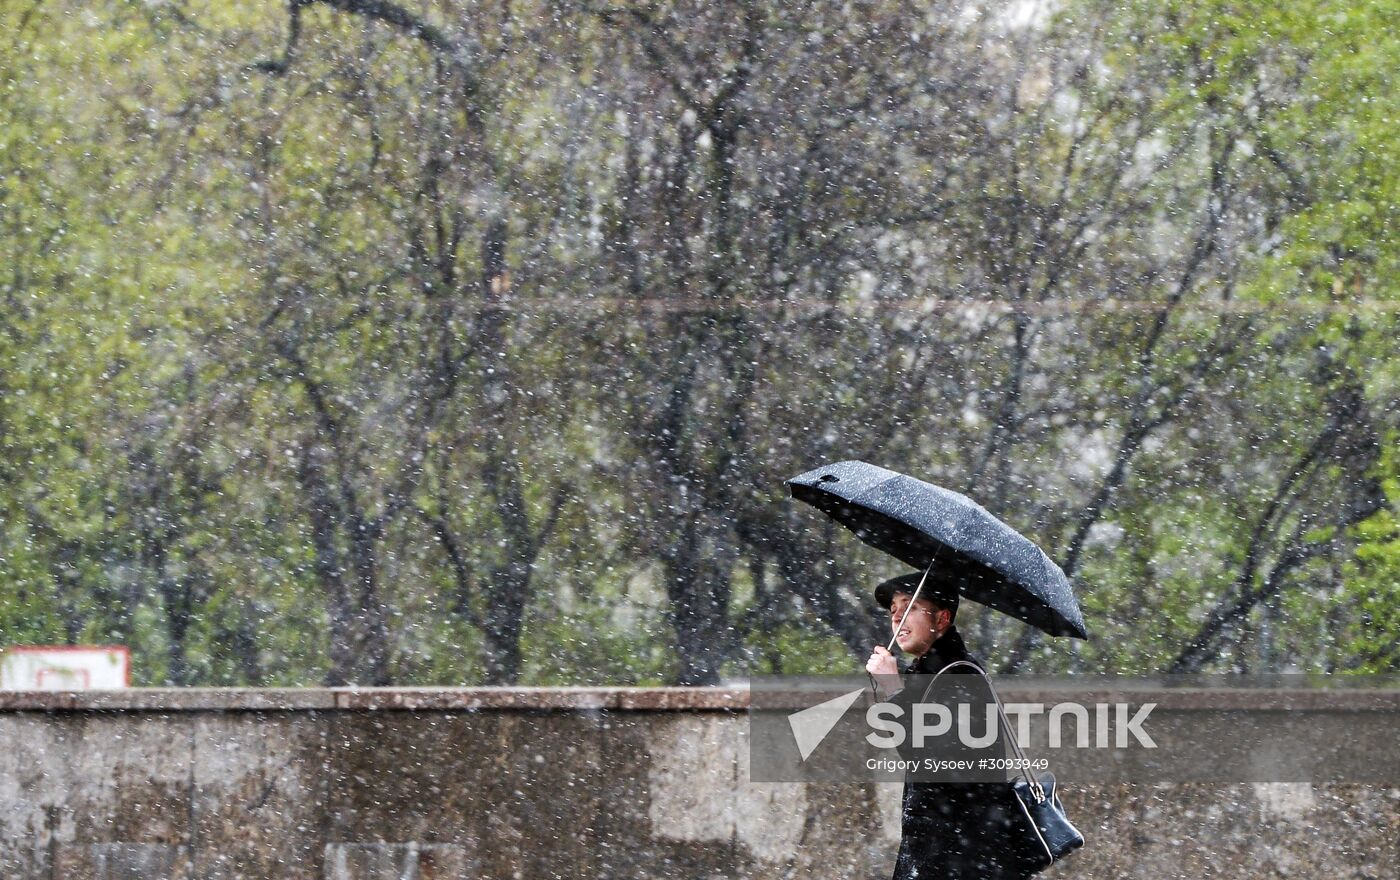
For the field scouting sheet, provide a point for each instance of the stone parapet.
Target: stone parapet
(335, 784)
(626, 699)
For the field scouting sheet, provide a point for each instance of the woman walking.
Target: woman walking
(949, 830)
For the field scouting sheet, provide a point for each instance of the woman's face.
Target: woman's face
(920, 627)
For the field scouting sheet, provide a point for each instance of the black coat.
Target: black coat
(954, 830)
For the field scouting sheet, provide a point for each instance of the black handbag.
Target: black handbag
(1042, 834)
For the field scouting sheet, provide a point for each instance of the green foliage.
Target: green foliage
(175, 219)
(1370, 595)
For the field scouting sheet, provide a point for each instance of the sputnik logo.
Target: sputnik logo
(811, 726)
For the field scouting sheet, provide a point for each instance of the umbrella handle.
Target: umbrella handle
(910, 607)
(889, 649)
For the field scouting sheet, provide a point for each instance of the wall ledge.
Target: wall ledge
(638, 699)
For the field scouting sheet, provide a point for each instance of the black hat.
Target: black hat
(938, 591)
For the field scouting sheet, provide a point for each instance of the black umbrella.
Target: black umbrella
(921, 523)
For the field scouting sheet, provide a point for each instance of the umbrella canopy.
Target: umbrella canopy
(919, 523)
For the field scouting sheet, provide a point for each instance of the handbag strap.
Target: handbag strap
(1036, 790)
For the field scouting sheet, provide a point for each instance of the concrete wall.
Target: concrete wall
(539, 783)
